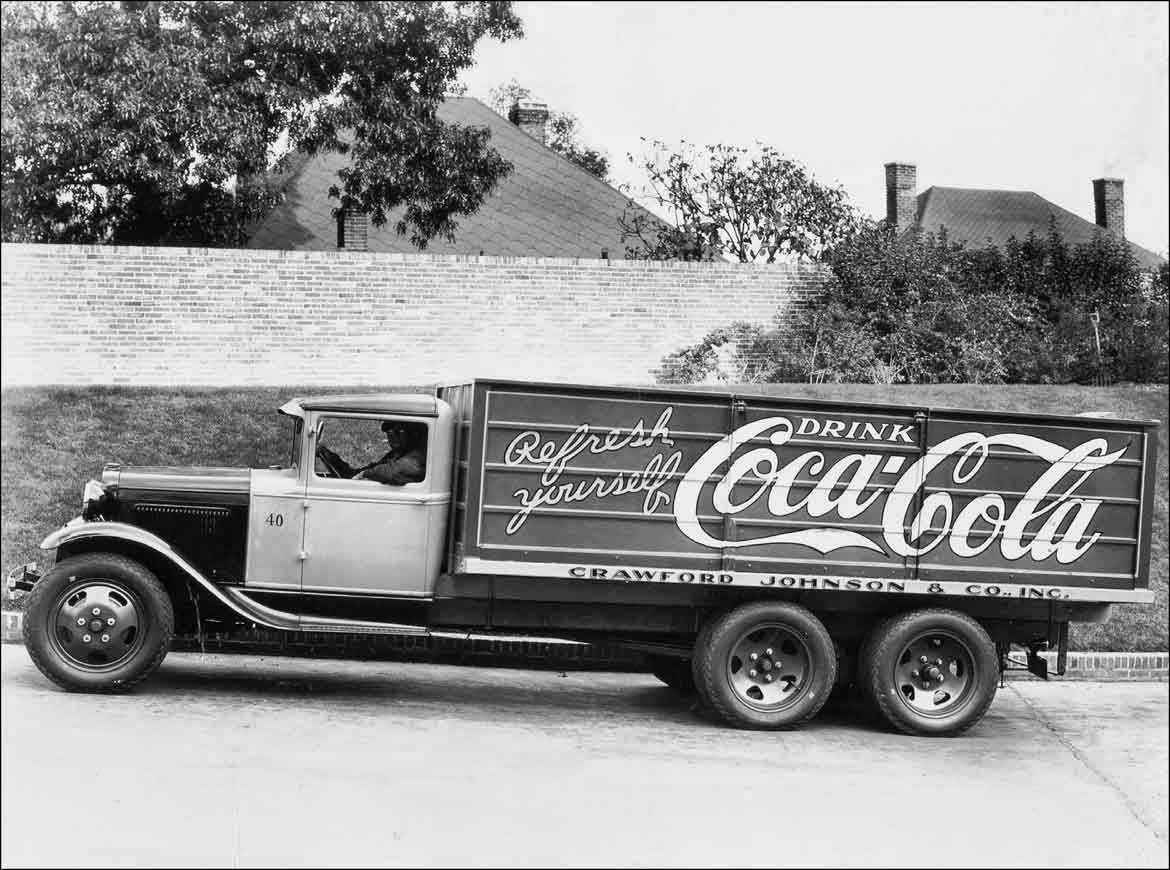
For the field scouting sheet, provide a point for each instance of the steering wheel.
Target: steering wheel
(330, 468)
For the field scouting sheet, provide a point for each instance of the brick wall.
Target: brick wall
(192, 316)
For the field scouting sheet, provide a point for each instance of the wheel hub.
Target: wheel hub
(95, 624)
(768, 667)
(763, 666)
(934, 674)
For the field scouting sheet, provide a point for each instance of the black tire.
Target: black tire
(675, 673)
(790, 679)
(98, 622)
(921, 697)
(700, 643)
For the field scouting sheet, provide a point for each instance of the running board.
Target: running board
(285, 621)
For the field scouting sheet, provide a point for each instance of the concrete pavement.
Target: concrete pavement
(249, 761)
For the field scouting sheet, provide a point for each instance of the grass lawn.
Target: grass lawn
(56, 438)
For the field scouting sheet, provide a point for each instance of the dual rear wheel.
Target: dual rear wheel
(770, 665)
(765, 665)
(932, 672)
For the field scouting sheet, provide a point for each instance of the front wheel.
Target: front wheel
(98, 622)
(932, 672)
(765, 665)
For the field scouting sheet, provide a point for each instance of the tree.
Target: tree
(149, 122)
(728, 202)
(563, 133)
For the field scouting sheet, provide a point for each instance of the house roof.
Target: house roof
(979, 217)
(547, 207)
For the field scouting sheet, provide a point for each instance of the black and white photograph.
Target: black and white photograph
(584, 434)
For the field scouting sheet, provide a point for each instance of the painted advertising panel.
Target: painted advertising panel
(673, 486)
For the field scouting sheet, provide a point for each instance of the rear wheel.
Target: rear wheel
(932, 672)
(765, 665)
(98, 623)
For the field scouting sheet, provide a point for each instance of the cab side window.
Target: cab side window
(387, 451)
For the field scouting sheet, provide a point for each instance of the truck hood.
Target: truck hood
(177, 479)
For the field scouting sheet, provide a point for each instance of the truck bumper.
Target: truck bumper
(23, 578)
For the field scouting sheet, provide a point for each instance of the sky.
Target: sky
(1042, 97)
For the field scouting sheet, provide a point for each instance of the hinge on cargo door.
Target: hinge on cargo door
(738, 411)
(727, 561)
(922, 424)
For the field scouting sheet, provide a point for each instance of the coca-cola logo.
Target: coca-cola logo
(1048, 520)
(845, 489)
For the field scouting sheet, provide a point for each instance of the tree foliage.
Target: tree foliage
(917, 309)
(741, 353)
(729, 202)
(562, 133)
(921, 309)
(157, 122)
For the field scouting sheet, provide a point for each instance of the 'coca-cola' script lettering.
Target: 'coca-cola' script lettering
(845, 489)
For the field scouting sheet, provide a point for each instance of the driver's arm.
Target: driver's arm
(410, 468)
(339, 465)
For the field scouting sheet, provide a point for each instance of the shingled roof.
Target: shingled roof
(547, 207)
(980, 217)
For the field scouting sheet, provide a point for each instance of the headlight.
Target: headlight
(93, 492)
(93, 500)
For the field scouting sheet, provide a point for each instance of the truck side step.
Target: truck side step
(281, 619)
(285, 621)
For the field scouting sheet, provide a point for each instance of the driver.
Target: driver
(404, 462)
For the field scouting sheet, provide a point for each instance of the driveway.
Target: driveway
(252, 761)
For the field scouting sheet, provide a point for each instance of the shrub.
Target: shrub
(922, 309)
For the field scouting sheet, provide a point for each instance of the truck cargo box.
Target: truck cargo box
(633, 485)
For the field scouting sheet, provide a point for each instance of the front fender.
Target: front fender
(79, 529)
(67, 532)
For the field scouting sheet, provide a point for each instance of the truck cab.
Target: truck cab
(313, 530)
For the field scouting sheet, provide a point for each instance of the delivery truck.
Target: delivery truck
(756, 550)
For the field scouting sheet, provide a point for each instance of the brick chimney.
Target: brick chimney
(1109, 204)
(901, 195)
(531, 117)
(353, 230)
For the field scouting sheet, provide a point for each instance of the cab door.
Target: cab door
(362, 536)
(276, 522)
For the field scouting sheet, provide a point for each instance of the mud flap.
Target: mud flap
(1039, 666)
(1062, 649)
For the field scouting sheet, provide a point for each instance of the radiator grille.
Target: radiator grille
(209, 519)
